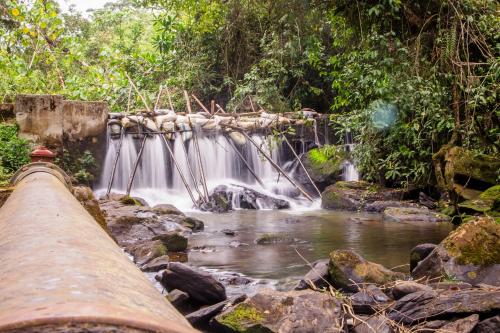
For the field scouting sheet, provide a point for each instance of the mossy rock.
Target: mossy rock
(476, 242)
(276, 238)
(464, 162)
(244, 318)
(348, 270)
(128, 200)
(478, 205)
(470, 254)
(493, 193)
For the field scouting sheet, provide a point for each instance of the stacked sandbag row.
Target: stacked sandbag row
(170, 122)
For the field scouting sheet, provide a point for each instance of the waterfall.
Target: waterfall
(157, 180)
(350, 173)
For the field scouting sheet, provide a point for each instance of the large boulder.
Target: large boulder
(428, 305)
(413, 214)
(356, 195)
(349, 271)
(223, 197)
(471, 254)
(200, 286)
(272, 311)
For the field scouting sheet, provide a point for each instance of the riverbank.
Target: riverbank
(246, 261)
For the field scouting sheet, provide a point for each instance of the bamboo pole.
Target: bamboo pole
(188, 102)
(200, 165)
(220, 108)
(302, 165)
(129, 96)
(276, 166)
(251, 103)
(158, 97)
(138, 92)
(170, 99)
(200, 103)
(190, 169)
(180, 171)
(136, 164)
(115, 162)
(212, 107)
(242, 158)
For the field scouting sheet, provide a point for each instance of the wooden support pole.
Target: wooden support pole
(138, 92)
(200, 103)
(302, 165)
(158, 97)
(276, 166)
(188, 102)
(200, 165)
(136, 164)
(177, 166)
(220, 108)
(115, 162)
(212, 107)
(129, 96)
(190, 169)
(170, 99)
(242, 158)
(251, 103)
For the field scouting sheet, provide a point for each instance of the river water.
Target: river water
(313, 234)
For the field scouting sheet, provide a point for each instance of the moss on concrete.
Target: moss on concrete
(244, 318)
(475, 242)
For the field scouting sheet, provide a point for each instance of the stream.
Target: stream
(314, 234)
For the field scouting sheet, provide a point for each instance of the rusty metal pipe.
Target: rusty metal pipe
(59, 271)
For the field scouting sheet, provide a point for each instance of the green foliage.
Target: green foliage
(14, 152)
(404, 77)
(81, 166)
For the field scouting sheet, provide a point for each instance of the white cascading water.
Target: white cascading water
(350, 173)
(157, 180)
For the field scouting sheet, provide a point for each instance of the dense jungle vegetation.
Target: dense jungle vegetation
(404, 77)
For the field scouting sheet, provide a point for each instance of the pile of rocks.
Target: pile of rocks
(149, 234)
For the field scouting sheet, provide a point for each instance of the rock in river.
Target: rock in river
(272, 311)
(355, 195)
(201, 287)
(348, 270)
(413, 214)
(318, 276)
(471, 254)
(222, 198)
(419, 253)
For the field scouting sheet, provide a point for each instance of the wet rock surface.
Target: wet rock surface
(224, 197)
(419, 253)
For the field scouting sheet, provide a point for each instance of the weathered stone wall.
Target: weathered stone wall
(69, 128)
(50, 120)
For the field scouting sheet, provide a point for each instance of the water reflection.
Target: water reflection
(313, 234)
